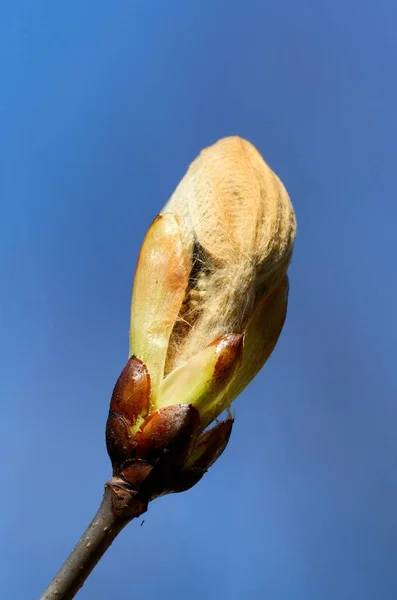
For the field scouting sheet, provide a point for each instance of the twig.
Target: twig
(118, 507)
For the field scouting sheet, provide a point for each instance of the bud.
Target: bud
(209, 303)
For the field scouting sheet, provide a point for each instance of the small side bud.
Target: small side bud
(210, 446)
(206, 451)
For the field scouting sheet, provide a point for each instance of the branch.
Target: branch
(118, 507)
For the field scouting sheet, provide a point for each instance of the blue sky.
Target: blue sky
(102, 107)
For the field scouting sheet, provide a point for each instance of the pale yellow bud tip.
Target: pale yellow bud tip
(213, 266)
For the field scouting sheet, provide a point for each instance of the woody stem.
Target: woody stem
(118, 507)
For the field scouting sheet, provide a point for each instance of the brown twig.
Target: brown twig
(118, 507)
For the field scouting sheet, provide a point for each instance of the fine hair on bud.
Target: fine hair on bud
(238, 228)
